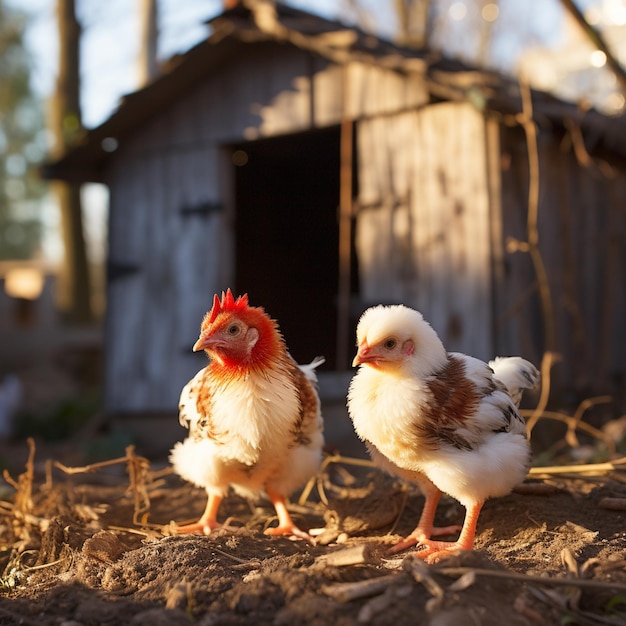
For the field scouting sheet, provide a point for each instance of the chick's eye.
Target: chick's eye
(233, 330)
(390, 343)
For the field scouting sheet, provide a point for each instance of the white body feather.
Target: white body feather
(383, 412)
(251, 447)
(386, 404)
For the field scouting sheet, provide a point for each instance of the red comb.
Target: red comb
(228, 303)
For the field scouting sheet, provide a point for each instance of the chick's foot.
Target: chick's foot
(289, 530)
(201, 527)
(419, 537)
(435, 551)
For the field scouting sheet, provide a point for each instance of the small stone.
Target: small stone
(104, 546)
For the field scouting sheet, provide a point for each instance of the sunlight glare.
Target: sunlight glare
(593, 15)
(457, 11)
(616, 12)
(490, 12)
(616, 102)
(597, 58)
(24, 282)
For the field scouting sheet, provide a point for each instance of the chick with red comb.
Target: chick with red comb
(253, 415)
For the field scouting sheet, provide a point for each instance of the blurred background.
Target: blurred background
(322, 156)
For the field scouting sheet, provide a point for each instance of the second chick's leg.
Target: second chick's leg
(434, 551)
(208, 520)
(425, 528)
(285, 523)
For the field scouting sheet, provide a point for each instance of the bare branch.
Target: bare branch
(597, 40)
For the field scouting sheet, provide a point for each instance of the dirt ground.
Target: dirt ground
(96, 548)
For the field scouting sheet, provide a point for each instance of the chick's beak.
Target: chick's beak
(204, 341)
(361, 355)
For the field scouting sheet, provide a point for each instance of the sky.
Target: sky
(110, 37)
(109, 43)
(109, 52)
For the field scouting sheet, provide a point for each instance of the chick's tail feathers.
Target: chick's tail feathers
(309, 369)
(516, 373)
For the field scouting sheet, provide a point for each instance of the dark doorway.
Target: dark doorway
(286, 233)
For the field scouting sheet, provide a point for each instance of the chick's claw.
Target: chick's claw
(203, 528)
(419, 537)
(404, 544)
(435, 551)
(294, 531)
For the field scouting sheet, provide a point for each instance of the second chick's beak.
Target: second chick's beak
(361, 355)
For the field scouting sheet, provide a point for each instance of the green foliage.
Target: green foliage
(21, 144)
(616, 606)
(59, 421)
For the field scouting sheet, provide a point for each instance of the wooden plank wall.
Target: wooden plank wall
(582, 230)
(423, 234)
(517, 328)
(431, 231)
(171, 207)
(168, 241)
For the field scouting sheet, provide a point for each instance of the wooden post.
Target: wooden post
(345, 226)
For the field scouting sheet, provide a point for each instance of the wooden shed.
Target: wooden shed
(322, 170)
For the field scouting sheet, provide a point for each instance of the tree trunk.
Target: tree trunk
(414, 22)
(485, 35)
(74, 292)
(148, 19)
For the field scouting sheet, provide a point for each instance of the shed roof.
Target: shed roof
(235, 29)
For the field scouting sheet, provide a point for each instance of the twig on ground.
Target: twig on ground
(315, 480)
(405, 497)
(569, 420)
(138, 474)
(347, 592)
(526, 578)
(548, 360)
(92, 467)
(536, 489)
(24, 484)
(138, 468)
(232, 556)
(613, 504)
(590, 619)
(353, 555)
(382, 602)
(589, 468)
(570, 436)
(422, 573)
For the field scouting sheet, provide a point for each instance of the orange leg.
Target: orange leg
(434, 551)
(285, 523)
(207, 522)
(425, 529)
